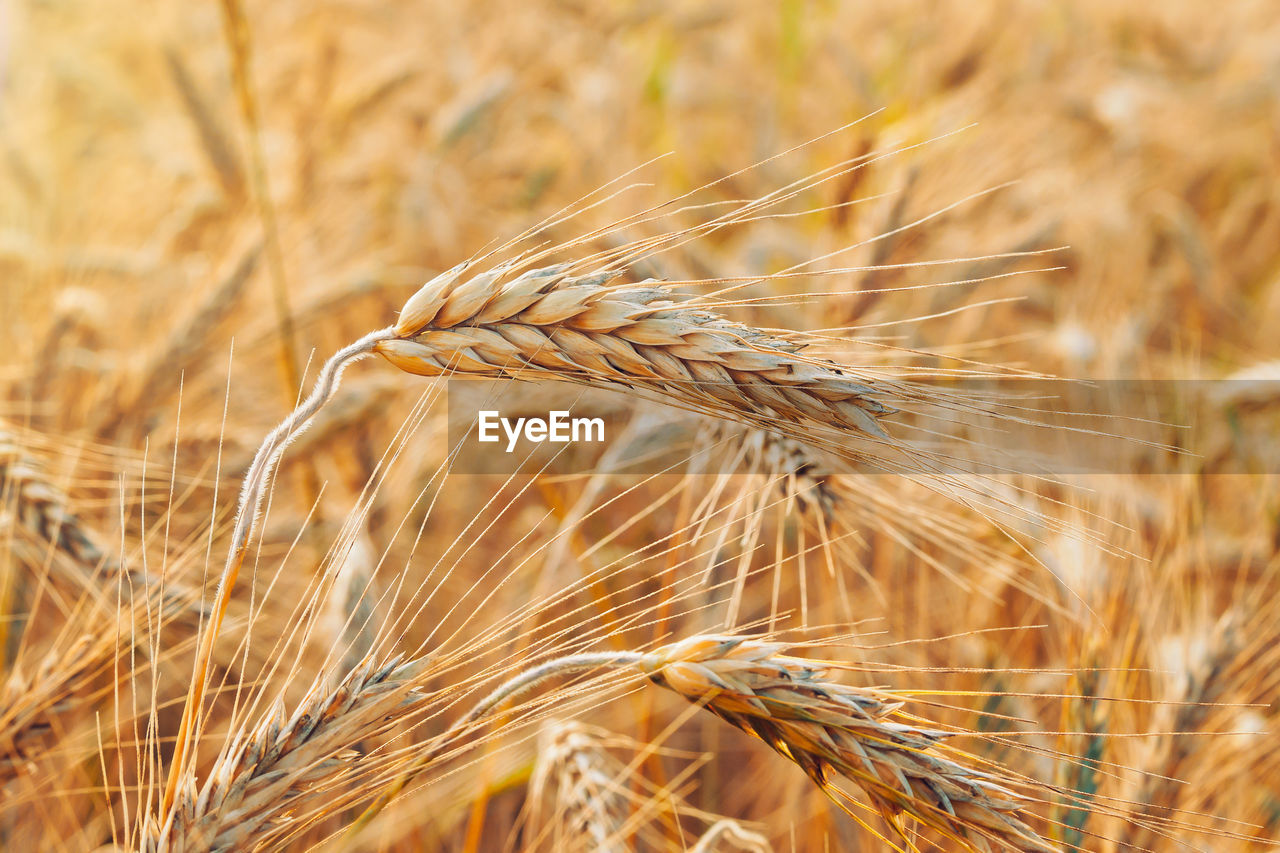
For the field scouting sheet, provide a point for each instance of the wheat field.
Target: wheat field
(842, 572)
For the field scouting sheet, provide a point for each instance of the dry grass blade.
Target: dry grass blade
(829, 728)
(546, 323)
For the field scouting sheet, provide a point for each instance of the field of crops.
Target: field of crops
(825, 579)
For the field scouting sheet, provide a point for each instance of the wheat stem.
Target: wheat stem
(251, 497)
(510, 689)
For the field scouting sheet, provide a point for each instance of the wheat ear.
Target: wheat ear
(43, 512)
(266, 778)
(584, 787)
(256, 483)
(581, 797)
(29, 704)
(829, 728)
(546, 323)
(825, 727)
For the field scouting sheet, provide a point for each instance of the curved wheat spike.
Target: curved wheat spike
(548, 324)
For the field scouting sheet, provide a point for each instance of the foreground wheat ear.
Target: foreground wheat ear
(549, 323)
(545, 322)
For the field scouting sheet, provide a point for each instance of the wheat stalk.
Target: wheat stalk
(825, 727)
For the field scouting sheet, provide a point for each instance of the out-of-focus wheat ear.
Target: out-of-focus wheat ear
(156, 380)
(33, 704)
(47, 532)
(73, 331)
(583, 796)
(213, 140)
(577, 801)
(348, 612)
(1200, 662)
(802, 473)
(730, 835)
(547, 324)
(830, 729)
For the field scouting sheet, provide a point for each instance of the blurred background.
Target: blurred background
(203, 196)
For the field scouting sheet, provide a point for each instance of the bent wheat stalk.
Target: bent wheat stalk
(266, 778)
(825, 727)
(252, 493)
